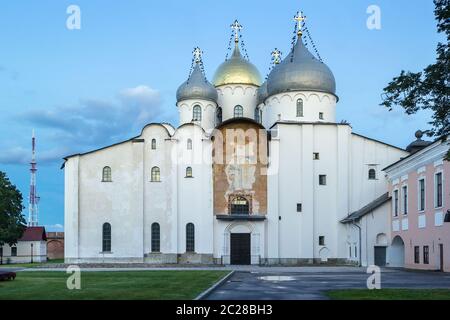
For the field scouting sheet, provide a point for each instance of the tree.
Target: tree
(428, 89)
(12, 222)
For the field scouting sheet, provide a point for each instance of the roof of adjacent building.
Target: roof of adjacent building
(34, 234)
(367, 209)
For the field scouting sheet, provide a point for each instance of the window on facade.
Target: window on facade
(240, 205)
(350, 251)
(438, 189)
(257, 118)
(299, 207)
(356, 252)
(321, 115)
(395, 203)
(426, 254)
(421, 194)
(322, 180)
(219, 115)
(197, 113)
(156, 175)
(188, 172)
(190, 237)
(156, 237)
(417, 254)
(189, 144)
(153, 144)
(238, 112)
(321, 241)
(300, 108)
(405, 199)
(316, 156)
(107, 175)
(106, 238)
(372, 174)
(13, 251)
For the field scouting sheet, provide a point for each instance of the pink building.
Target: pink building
(420, 217)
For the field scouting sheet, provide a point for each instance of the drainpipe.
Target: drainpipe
(360, 242)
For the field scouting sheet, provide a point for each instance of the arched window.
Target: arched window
(106, 238)
(240, 205)
(197, 113)
(219, 115)
(189, 144)
(153, 144)
(156, 237)
(238, 112)
(257, 115)
(372, 174)
(190, 237)
(107, 176)
(156, 175)
(300, 108)
(188, 172)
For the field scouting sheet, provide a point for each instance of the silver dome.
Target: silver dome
(301, 71)
(197, 87)
(262, 94)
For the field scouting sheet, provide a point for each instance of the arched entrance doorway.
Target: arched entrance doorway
(397, 253)
(240, 243)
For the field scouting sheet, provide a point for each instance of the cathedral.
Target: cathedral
(257, 172)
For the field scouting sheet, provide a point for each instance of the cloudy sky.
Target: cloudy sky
(83, 89)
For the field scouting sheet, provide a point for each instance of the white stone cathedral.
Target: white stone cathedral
(255, 173)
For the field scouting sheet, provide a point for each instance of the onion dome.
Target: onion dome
(262, 94)
(419, 144)
(197, 86)
(301, 71)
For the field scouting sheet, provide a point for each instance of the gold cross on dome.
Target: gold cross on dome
(276, 56)
(197, 54)
(236, 27)
(299, 18)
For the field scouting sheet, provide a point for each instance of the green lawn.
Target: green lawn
(30, 265)
(390, 294)
(118, 285)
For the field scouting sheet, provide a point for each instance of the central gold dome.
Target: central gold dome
(237, 70)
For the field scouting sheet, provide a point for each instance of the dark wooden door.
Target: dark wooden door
(240, 248)
(380, 256)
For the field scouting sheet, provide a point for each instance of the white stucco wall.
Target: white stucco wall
(233, 95)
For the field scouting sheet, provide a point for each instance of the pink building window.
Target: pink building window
(395, 203)
(438, 189)
(422, 195)
(405, 199)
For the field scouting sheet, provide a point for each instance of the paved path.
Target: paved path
(309, 284)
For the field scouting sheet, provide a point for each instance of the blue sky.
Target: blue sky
(83, 89)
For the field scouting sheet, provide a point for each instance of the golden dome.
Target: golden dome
(237, 70)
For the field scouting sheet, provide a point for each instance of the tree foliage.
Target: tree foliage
(429, 88)
(12, 222)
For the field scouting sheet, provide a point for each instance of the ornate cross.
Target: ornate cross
(197, 54)
(236, 27)
(299, 18)
(276, 56)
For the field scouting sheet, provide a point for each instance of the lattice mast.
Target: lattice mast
(33, 197)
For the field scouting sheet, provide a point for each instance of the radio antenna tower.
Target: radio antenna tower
(33, 198)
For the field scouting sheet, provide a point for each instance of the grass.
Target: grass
(30, 265)
(390, 294)
(117, 285)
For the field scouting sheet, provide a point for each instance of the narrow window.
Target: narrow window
(372, 174)
(197, 113)
(156, 237)
(153, 144)
(240, 205)
(405, 199)
(219, 115)
(322, 180)
(238, 112)
(190, 237)
(107, 175)
(156, 175)
(316, 156)
(356, 252)
(188, 172)
(189, 144)
(321, 115)
(257, 118)
(13, 251)
(417, 254)
(426, 254)
(299, 207)
(350, 251)
(321, 241)
(395, 203)
(438, 189)
(106, 238)
(422, 195)
(300, 108)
